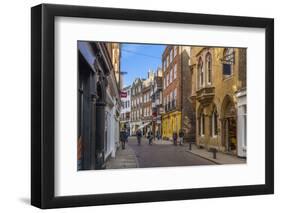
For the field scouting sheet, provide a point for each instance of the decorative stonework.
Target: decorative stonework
(205, 95)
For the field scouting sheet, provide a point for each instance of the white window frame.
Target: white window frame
(175, 71)
(175, 95)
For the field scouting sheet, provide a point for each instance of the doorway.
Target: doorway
(229, 126)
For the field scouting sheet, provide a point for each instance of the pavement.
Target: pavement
(124, 159)
(221, 158)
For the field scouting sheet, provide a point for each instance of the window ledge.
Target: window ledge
(225, 77)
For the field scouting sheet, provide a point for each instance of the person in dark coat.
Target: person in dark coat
(123, 138)
(181, 135)
(175, 138)
(127, 135)
(139, 135)
(150, 137)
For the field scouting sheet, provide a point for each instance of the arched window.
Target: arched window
(214, 125)
(228, 60)
(202, 124)
(209, 67)
(200, 73)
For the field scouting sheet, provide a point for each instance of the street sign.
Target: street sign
(123, 94)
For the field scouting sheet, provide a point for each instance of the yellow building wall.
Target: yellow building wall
(171, 122)
(223, 87)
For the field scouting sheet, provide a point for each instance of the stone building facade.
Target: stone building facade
(98, 104)
(219, 98)
(156, 103)
(178, 111)
(147, 105)
(136, 105)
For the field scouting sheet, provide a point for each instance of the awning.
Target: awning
(144, 125)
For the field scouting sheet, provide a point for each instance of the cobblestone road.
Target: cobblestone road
(163, 155)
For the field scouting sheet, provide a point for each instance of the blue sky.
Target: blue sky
(137, 59)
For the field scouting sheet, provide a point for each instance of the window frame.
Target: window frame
(214, 123)
(209, 70)
(201, 73)
(226, 54)
(175, 71)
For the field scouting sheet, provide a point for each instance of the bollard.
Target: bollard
(214, 151)
(190, 146)
(214, 154)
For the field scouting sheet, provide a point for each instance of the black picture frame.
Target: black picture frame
(43, 105)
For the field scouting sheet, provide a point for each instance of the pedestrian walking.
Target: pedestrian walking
(127, 136)
(150, 137)
(175, 138)
(158, 135)
(139, 135)
(123, 136)
(181, 135)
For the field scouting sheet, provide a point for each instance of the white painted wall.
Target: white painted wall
(241, 127)
(128, 98)
(15, 106)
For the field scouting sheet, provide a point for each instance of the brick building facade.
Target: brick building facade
(178, 111)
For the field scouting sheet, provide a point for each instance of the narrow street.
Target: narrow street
(156, 155)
